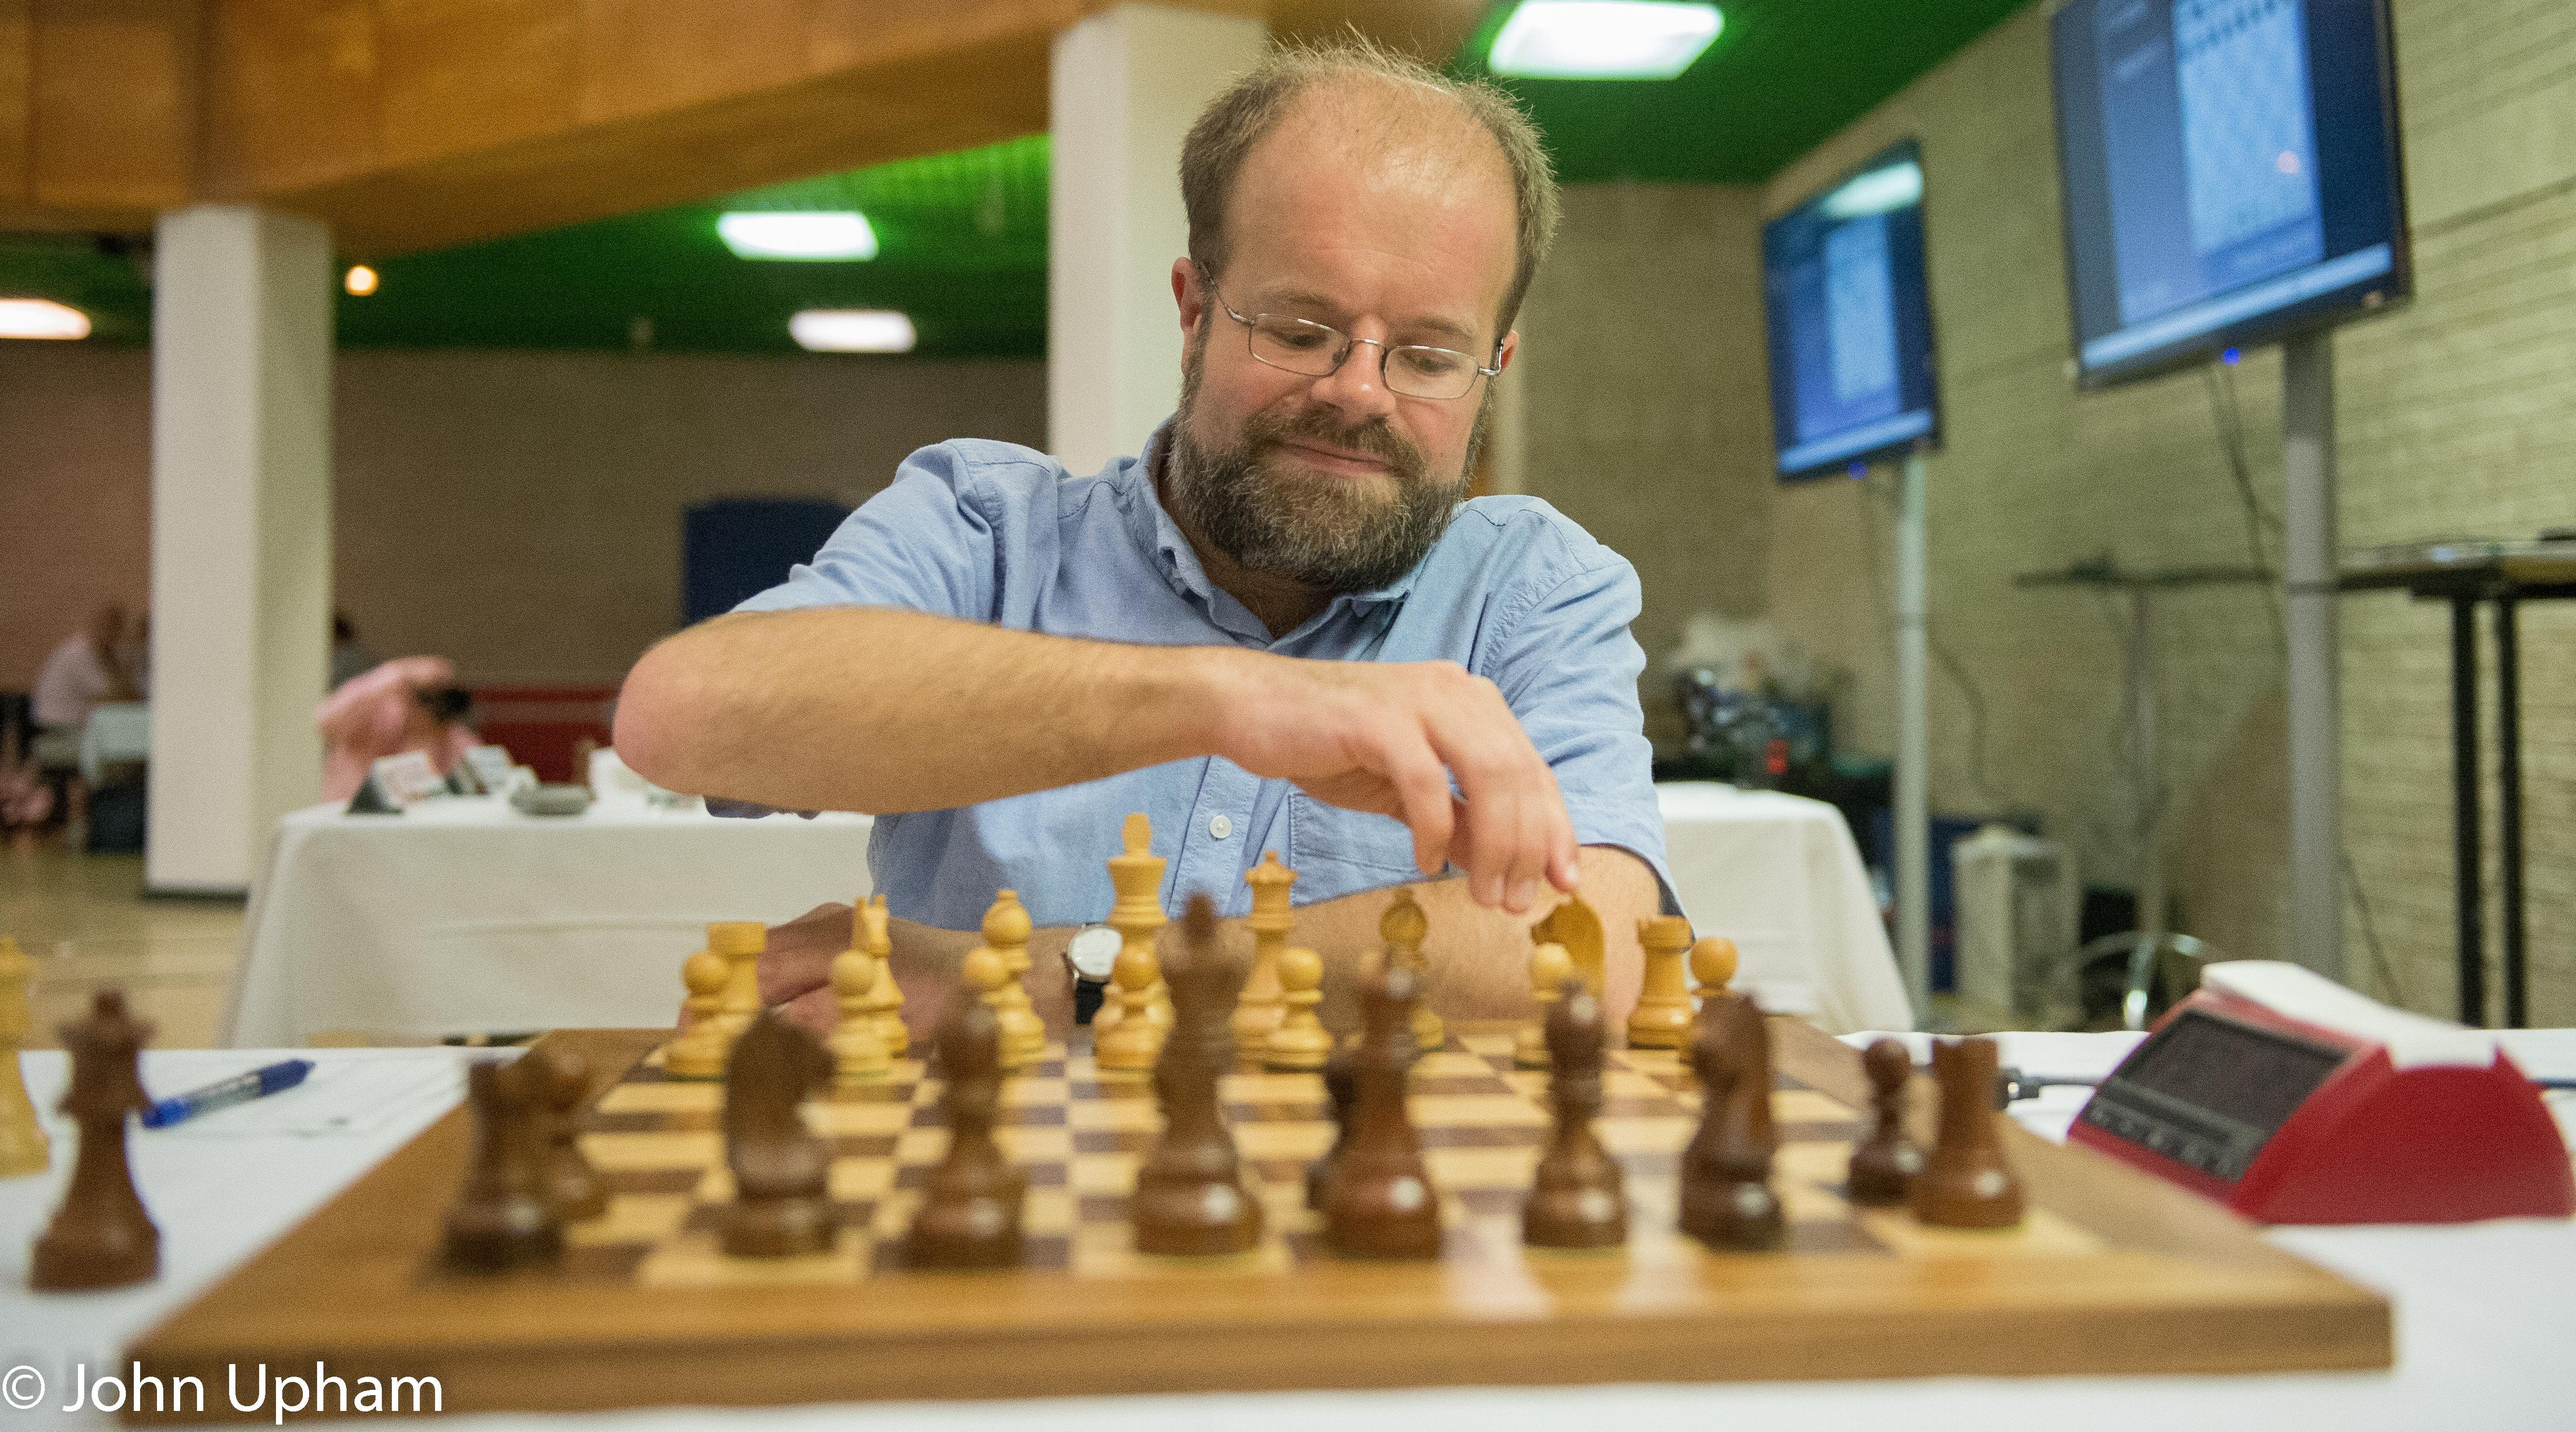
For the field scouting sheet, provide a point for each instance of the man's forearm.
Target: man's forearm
(877, 710)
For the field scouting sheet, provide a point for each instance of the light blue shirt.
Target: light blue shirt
(1513, 591)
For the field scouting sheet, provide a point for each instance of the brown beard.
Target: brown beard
(1330, 535)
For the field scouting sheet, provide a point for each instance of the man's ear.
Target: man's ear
(1510, 345)
(1188, 296)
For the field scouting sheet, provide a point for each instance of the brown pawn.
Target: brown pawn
(1883, 1165)
(1965, 1182)
(1727, 1200)
(781, 1207)
(568, 1181)
(101, 1237)
(1191, 1198)
(1341, 1091)
(1577, 1199)
(970, 1210)
(1378, 1198)
(502, 1220)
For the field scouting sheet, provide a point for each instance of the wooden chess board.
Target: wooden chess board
(2112, 1272)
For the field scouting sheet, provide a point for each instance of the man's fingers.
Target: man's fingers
(1424, 789)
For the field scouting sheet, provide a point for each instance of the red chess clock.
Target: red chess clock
(2291, 1099)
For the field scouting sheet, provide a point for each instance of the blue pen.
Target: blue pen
(240, 1090)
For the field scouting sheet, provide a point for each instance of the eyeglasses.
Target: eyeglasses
(1317, 350)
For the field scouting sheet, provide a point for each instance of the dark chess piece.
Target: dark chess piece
(1883, 1165)
(1965, 1182)
(1191, 1197)
(1341, 1091)
(102, 1236)
(1577, 1199)
(502, 1220)
(1727, 1200)
(1378, 1198)
(781, 1207)
(970, 1209)
(567, 1180)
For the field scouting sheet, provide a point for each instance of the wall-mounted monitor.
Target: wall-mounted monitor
(1850, 320)
(2230, 173)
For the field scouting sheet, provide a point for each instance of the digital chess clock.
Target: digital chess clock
(2291, 1099)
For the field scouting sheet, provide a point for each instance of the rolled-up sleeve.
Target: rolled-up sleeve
(1568, 666)
(927, 543)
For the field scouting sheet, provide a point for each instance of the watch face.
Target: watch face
(1094, 951)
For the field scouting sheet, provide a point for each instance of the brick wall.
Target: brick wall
(519, 512)
(1642, 411)
(2456, 414)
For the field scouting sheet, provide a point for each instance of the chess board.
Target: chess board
(2112, 1271)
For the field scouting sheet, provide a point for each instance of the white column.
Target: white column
(241, 535)
(1126, 85)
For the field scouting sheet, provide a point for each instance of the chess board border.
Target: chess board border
(2183, 1286)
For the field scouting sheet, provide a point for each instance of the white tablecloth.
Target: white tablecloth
(1781, 877)
(2483, 1311)
(463, 916)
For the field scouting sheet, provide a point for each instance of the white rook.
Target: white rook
(241, 535)
(1126, 84)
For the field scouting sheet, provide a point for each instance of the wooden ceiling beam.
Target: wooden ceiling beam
(414, 124)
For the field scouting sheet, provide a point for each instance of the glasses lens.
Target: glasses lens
(1419, 372)
(1296, 345)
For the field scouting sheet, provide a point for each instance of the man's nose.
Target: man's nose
(1358, 387)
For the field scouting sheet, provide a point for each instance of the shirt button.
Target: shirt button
(1220, 826)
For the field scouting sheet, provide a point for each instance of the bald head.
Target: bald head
(1376, 118)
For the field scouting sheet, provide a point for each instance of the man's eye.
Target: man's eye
(1300, 338)
(1430, 362)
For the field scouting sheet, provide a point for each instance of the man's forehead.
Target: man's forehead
(1416, 185)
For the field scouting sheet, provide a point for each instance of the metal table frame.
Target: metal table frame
(2465, 574)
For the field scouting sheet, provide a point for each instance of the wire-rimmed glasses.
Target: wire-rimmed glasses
(1315, 350)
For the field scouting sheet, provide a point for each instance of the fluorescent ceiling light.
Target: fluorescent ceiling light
(808, 236)
(851, 330)
(1602, 39)
(1876, 192)
(41, 318)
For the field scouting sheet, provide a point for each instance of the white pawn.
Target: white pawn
(1549, 968)
(1300, 1041)
(859, 1052)
(986, 973)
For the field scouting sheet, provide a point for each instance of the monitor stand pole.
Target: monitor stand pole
(1913, 823)
(2308, 584)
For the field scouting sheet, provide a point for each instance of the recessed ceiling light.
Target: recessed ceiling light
(1876, 192)
(360, 281)
(1602, 39)
(807, 236)
(41, 318)
(851, 330)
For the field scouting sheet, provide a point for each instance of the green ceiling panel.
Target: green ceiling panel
(962, 237)
(1783, 76)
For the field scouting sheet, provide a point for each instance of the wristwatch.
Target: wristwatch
(1093, 954)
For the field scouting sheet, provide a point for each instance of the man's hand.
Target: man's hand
(1388, 737)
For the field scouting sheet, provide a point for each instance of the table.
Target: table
(463, 916)
(2481, 1310)
(1781, 877)
(2465, 573)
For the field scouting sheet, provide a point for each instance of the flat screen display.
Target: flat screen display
(1850, 320)
(2230, 174)
(2250, 1076)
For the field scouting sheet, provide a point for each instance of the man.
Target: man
(88, 669)
(411, 703)
(1276, 629)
